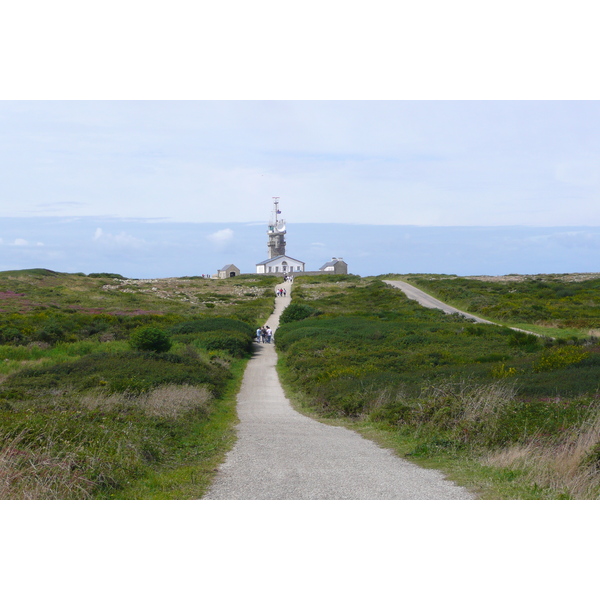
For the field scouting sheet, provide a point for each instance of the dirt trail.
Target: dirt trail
(283, 455)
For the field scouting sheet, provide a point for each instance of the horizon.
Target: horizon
(143, 249)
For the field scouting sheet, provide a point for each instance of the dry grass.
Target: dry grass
(30, 473)
(170, 401)
(174, 400)
(571, 466)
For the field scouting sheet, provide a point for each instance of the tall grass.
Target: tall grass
(168, 401)
(569, 466)
(30, 472)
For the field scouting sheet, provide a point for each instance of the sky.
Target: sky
(436, 163)
(155, 188)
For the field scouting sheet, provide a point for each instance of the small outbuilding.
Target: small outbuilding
(228, 271)
(335, 265)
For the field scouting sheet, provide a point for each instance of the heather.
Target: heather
(119, 388)
(448, 388)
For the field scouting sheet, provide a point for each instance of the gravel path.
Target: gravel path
(283, 455)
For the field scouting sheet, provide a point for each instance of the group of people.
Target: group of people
(280, 292)
(289, 278)
(264, 334)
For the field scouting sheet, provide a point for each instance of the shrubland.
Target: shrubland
(120, 388)
(508, 413)
(560, 305)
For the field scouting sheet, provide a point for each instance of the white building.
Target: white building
(280, 264)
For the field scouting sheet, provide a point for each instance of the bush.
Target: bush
(559, 358)
(297, 312)
(150, 339)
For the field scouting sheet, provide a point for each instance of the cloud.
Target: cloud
(21, 242)
(221, 238)
(122, 240)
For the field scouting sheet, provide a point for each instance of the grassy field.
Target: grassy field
(87, 413)
(561, 306)
(509, 414)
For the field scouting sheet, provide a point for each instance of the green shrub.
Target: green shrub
(297, 312)
(132, 372)
(108, 275)
(213, 324)
(150, 339)
(559, 358)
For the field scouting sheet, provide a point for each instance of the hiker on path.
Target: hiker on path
(269, 334)
(258, 334)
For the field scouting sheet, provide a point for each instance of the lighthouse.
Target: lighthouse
(276, 231)
(278, 262)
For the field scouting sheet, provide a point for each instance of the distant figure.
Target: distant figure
(269, 335)
(284, 291)
(263, 334)
(258, 334)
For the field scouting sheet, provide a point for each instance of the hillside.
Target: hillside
(117, 388)
(121, 388)
(557, 305)
(512, 414)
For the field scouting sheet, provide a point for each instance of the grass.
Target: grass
(444, 392)
(211, 440)
(85, 416)
(559, 306)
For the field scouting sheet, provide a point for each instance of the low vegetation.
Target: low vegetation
(507, 413)
(118, 388)
(560, 305)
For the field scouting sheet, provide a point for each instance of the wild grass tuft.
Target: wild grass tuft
(30, 472)
(569, 466)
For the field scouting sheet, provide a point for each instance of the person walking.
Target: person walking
(258, 334)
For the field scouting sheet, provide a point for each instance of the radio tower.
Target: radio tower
(276, 231)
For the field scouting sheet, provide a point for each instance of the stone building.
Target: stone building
(335, 265)
(228, 271)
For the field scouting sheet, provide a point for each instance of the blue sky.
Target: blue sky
(153, 188)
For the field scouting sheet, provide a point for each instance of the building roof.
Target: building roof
(264, 262)
(228, 268)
